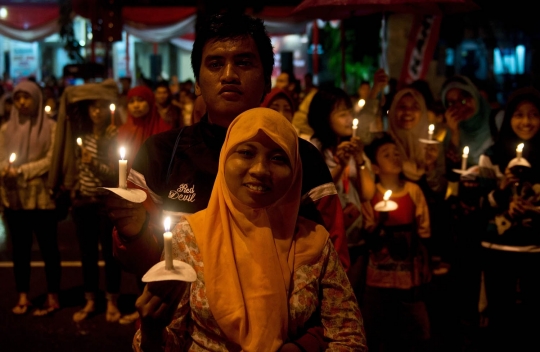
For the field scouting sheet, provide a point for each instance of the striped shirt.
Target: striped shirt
(101, 171)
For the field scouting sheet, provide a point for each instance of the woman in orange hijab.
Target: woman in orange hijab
(143, 121)
(262, 271)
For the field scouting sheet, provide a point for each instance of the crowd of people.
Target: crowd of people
(313, 219)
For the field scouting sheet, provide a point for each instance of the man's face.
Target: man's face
(231, 78)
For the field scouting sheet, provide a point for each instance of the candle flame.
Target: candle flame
(520, 147)
(47, 109)
(79, 142)
(122, 152)
(112, 107)
(355, 123)
(387, 195)
(12, 157)
(361, 103)
(167, 224)
(466, 151)
(431, 128)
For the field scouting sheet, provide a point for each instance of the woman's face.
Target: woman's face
(282, 106)
(461, 103)
(525, 120)
(258, 172)
(138, 107)
(341, 120)
(100, 113)
(407, 112)
(24, 102)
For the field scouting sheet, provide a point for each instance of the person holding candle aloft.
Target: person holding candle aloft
(330, 116)
(393, 306)
(28, 207)
(511, 244)
(467, 117)
(98, 167)
(423, 163)
(262, 271)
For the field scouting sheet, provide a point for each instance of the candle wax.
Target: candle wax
(167, 242)
(122, 174)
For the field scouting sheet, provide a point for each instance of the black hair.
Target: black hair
(381, 139)
(324, 102)
(232, 25)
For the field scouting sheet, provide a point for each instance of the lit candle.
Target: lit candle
(430, 131)
(464, 159)
(361, 103)
(122, 169)
(167, 242)
(112, 107)
(519, 150)
(387, 196)
(79, 142)
(12, 158)
(354, 127)
(47, 109)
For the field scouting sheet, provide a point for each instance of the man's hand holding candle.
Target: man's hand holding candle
(128, 217)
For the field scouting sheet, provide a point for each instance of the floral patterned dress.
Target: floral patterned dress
(321, 290)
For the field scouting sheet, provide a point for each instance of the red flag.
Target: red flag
(423, 39)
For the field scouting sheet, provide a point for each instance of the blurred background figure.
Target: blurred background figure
(169, 112)
(28, 207)
(280, 101)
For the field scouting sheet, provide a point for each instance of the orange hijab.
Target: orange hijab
(249, 254)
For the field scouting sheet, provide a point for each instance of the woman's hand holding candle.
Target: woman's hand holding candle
(9, 171)
(157, 306)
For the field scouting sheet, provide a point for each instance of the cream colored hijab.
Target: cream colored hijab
(249, 254)
(411, 149)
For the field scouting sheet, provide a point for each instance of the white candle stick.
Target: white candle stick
(354, 127)
(112, 107)
(387, 196)
(167, 242)
(464, 158)
(122, 169)
(12, 158)
(430, 131)
(519, 151)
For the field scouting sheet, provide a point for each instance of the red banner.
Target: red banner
(422, 42)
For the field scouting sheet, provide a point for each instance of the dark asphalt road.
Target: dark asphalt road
(60, 334)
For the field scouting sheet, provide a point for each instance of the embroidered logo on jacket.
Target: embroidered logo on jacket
(183, 193)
